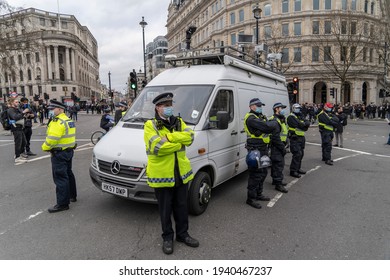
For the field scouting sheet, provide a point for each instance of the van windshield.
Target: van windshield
(188, 102)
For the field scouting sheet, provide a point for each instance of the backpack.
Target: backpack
(5, 120)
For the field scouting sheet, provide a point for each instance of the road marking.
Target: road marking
(289, 185)
(84, 147)
(21, 222)
(354, 151)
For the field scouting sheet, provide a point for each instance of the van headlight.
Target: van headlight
(94, 161)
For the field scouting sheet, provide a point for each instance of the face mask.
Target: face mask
(283, 112)
(259, 110)
(168, 111)
(328, 109)
(51, 114)
(297, 111)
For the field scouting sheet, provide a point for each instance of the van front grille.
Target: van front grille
(126, 171)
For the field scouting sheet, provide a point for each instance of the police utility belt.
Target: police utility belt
(57, 150)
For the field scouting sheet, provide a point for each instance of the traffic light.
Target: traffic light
(295, 85)
(143, 83)
(332, 92)
(133, 80)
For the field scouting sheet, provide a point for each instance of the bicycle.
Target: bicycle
(96, 136)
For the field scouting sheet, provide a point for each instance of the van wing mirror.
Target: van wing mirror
(222, 119)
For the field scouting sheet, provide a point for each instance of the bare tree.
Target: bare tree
(345, 47)
(18, 44)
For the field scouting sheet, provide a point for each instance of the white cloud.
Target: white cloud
(115, 25)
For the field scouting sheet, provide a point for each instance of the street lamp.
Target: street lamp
(257, 15)
(109, 86)
(143, 23)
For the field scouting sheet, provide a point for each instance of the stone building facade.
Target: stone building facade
(62, 61)
(326, 44)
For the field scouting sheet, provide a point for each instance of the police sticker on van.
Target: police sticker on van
(114, 189)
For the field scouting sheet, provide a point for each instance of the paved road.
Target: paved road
(333, 212)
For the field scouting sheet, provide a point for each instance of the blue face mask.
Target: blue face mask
(168, 111)
(328, 110)
(283, 112)
(259, 110)
(297, 111)
(51, 114)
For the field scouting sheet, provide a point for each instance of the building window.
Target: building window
(328, 27)
(285, 6)
(364, 51)
(12, 59)
(372, 7)
(298, 54)
(366, 6)
(28, 58)
(29, 76)
(64, 24)
(344, 5)
(267, 10)
(53, 23)
(53, 88)
(344, 27)
(316, 27)
(285, 31)
(232, 18)
(267, 32)
(20, 60)
(328, 4)
(285, 55)
(371, 55)
(343, 54)
(353, 54)
(316, 5)
(353, 28)
(241, 15)
(297, 29)
(297, 5)
(233, 38)
(353, 5)
(365, 29)
(42, 21)
(315, 54)
(37, 57)
(21, 75)
(327, 53)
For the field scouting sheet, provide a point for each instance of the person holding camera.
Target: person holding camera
(16, 120)
(258, 130)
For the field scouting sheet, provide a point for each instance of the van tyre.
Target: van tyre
(199, 193)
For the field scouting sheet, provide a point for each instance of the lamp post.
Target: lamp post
(143, 23)
(109, 86)
(257, 15)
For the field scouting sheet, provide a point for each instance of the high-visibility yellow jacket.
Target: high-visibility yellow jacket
(164, 149)
(264, 136)
(283, 129)
(60, 134)
(296, 130)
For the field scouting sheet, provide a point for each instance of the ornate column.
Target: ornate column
(72, 57)
(56, 64)
(67, 64)
(48, 58)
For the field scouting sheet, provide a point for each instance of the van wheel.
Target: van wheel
(199, 193)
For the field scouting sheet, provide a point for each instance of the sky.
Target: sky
(115, 26)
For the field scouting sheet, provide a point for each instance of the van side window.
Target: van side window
(223, 102)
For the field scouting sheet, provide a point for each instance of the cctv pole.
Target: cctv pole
(143, 23)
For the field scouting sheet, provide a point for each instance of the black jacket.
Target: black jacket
(15, 114)
(258, 126)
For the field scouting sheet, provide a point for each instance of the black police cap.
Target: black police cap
(56, 104)
(163, 97)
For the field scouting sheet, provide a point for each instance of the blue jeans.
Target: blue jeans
(63, 177)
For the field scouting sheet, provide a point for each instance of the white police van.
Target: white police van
(211, 94)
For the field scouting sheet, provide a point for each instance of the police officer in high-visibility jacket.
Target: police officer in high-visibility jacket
(61, 142)
(169, 170)
(278, 147)
(258, 130)
(327, 122)
(297, 126)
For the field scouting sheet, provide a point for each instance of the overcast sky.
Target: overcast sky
(115, 25)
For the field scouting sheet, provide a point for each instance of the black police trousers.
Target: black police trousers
(63, 177)
(326, 144)
(173, 200)
(277, 167)
(297, 147)
(255, 182)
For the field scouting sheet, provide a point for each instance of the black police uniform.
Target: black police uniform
(257, 126)
(327, 135)
(297, 142)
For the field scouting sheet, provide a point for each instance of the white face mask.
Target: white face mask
(51, 114)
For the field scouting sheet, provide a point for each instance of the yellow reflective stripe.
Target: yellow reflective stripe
(53, 137)
(151, 140)
(70, 145)
(158, 146)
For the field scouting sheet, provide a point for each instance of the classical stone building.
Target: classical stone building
(61, 57)
(326, 44)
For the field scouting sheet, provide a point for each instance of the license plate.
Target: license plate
(114, 189)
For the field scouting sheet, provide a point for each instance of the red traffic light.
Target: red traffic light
(295, 80)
